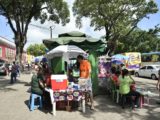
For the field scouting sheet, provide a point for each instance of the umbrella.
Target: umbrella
(117, 62)
(38, 58)
(67, 51)
(120, 57)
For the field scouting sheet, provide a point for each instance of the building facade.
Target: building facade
(7, 50)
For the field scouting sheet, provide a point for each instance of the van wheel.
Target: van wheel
(153, 76)
(136, 74)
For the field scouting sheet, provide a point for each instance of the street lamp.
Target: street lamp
(51, 28)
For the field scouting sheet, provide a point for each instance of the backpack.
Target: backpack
(14, 69)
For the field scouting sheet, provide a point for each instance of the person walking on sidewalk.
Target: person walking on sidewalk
(18, 69)
(13, 73)
(158, 86)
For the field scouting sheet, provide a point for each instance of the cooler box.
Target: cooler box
(59, 82)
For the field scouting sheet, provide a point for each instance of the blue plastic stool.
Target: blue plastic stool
(32, 99)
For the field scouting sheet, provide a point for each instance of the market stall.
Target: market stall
(62, 91)
(61, 88)
(95, 47)
(104, 66)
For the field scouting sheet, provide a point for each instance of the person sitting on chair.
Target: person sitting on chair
(37, 85)
(125, 91)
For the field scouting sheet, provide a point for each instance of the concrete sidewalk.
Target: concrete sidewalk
(14, 98)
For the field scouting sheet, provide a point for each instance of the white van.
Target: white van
(3, 68)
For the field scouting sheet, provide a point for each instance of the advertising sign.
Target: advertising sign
(134, 60)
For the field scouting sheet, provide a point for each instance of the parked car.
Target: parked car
(8, 67)
(3, 69)
(148, 71)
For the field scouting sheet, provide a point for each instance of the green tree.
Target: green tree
(36, 49)
(19, 14)
(139, 41)
(118, 17)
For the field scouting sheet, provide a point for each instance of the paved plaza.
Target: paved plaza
(14, 98)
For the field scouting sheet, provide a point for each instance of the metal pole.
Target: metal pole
(51, 31)
(51, 28)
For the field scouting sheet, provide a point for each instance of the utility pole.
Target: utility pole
(51, 28)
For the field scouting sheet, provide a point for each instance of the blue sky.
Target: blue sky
(153, 20)
(35, 34)
(5, 30)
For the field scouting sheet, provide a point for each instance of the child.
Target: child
(115, 78)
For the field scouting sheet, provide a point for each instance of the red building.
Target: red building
(8, 50)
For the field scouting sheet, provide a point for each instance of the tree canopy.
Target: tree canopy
(19, 14)
(139, 41)
(118, 17)
(36, 49)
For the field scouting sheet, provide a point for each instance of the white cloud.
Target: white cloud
(36, 34)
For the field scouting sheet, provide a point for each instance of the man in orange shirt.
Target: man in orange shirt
(85, 73)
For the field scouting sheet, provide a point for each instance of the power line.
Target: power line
(39, 27)
(49, 29)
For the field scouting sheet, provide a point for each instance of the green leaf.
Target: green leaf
(119, 18)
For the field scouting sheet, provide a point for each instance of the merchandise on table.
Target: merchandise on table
(68, 95)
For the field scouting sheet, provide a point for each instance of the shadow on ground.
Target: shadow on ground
(6, 86)
(106, 106)
(45, 109)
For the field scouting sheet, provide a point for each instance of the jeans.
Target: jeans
(133, 97)
(13, 77)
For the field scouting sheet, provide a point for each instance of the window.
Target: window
(6, 52)
(150, 67)
(143, 68)
(0, 52)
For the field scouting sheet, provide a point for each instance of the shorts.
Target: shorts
(85, 84)
(89, 84)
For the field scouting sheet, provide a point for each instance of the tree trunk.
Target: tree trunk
(111, 46)
(19, 41)
(111, 41)
(19, 52)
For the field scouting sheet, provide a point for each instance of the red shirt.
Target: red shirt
(115, 78)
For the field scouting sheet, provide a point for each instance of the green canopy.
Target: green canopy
(72, 34)
(75, 38)
(85, 42)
